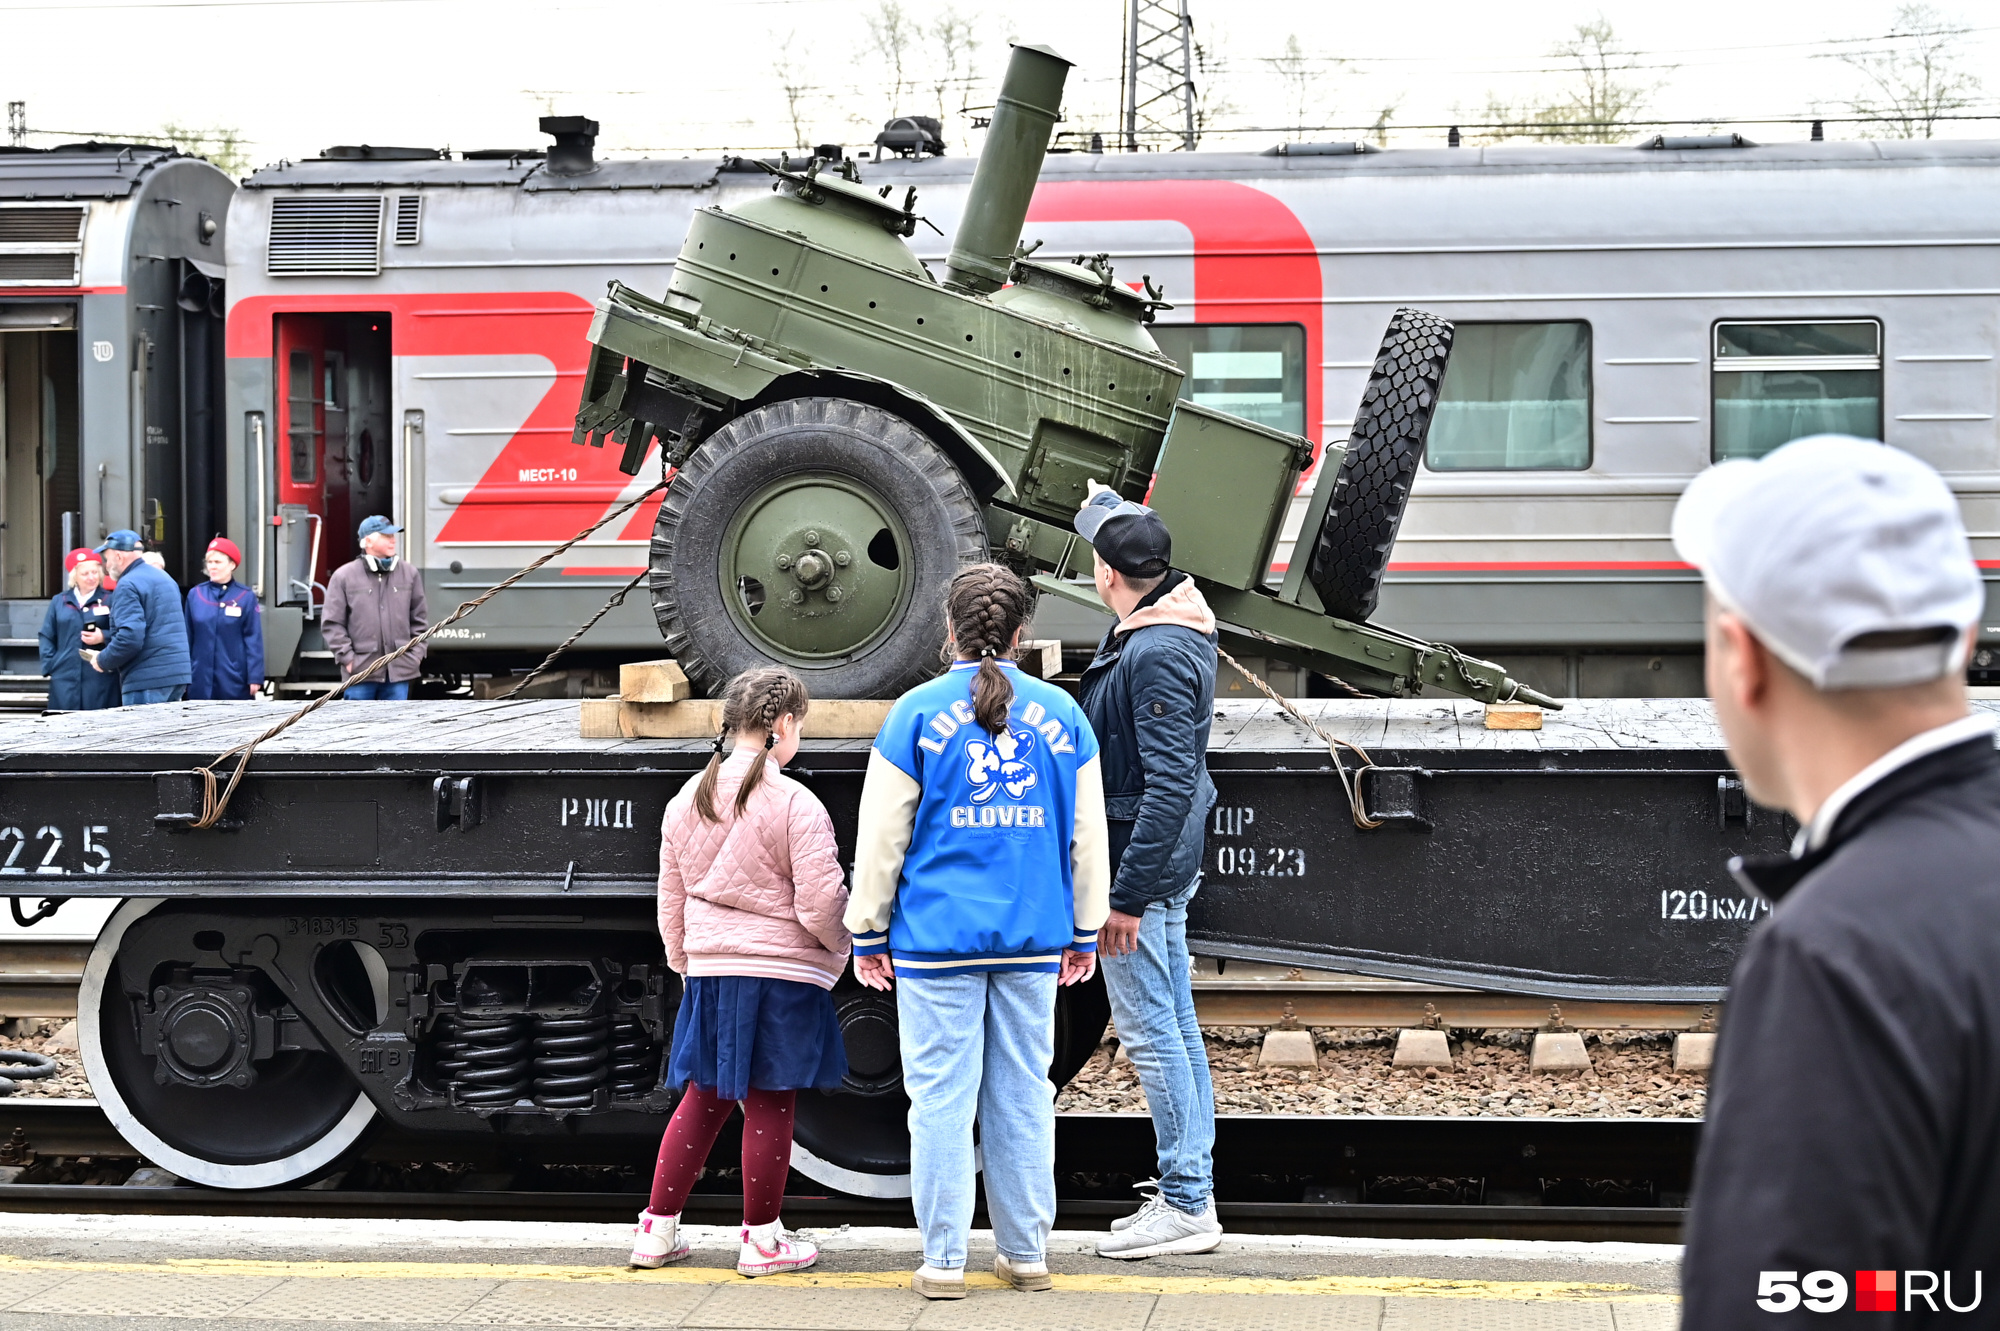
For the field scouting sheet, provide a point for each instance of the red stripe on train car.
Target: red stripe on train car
(549, 324)
(1545, 566)
(1249, 249)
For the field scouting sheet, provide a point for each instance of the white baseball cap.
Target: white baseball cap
(1829, 542)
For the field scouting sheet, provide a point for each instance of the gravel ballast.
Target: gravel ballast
(1632, 1076)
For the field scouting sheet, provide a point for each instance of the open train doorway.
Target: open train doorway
(40, 474)
(335, 450)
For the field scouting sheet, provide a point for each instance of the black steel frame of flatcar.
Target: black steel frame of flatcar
(1577, 874)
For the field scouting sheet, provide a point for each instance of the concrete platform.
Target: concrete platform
(61, 1272)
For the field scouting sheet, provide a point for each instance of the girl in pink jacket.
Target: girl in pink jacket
(750, 908)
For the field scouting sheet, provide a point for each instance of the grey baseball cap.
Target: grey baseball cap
(1846, 557)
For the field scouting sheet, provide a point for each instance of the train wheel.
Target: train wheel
(819, 533)
(857, 1139)
(1383, 450)
(299, 1114)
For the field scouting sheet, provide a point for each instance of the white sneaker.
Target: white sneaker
(1025, 1276)
(935, 1282)
(657, 1240)
(768, 1250)
(1165, 1232)
(1153, 1201)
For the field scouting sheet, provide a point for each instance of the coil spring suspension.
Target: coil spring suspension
(634, 1061)
(572, 1057)
(486, 1060)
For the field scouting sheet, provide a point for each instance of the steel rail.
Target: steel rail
(1264, 1165)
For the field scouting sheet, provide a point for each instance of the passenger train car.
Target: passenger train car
(406, 335)
(111, 298)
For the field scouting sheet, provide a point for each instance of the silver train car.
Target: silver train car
(405, 335)
(111, 301)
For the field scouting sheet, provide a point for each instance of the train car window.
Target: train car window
(1779, 381)
(300, 434)
(1516, 397)
(1256, 371)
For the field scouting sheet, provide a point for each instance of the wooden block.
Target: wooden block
(700, 718)
(653, 681)
(1041, 657)
(600, 719)
(1513, 716)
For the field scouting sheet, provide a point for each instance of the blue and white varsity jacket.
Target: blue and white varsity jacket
(980, 852)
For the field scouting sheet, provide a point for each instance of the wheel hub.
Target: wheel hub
(204, 1034)
(814, 568)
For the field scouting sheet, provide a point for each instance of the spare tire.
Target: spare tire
(1351, 551)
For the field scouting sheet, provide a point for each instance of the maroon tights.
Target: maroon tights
(767, 1150)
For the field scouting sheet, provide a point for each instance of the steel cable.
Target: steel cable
(213, 805)
(1349, 782)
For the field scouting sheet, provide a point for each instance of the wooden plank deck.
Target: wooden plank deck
(548, 727)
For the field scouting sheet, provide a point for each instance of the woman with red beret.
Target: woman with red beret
(78, 620)
(225, 629)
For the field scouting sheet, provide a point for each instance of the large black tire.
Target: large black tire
(865, 455)
(1351, 551)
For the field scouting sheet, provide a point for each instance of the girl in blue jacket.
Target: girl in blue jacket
(78, 618)
(982, 874)
(225, 629)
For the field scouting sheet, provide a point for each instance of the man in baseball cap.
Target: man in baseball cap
(374, 606)
(1150, 697)
(1853, 1120)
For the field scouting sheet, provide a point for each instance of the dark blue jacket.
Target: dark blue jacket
(1150, 696)
(225, 627)
(73, 685)
(149, 641)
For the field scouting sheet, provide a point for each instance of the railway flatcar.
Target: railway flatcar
(112, 275)
(406, 335)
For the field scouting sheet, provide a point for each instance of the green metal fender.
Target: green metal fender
(983, 473)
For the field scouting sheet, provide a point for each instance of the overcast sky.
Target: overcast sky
(671, 78)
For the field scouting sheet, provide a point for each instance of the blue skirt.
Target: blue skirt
(735, 1032)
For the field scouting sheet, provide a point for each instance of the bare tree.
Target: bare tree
(1294, 69)
(793, 82)
(1919, 78)
(223, 147)
(1599, 106)
(957, 48)
(1380, 129)
(893, 34)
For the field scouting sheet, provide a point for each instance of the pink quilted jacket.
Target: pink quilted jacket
(759, 894)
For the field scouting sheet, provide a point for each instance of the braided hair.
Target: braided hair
(986, 605)
(754, 700)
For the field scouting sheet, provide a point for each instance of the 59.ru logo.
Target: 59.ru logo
(1874, 1291)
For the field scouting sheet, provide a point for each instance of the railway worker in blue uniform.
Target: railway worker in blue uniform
(78, 620)
(1150, 696)
(225, 628)
(1851, 1157)
(149, 645)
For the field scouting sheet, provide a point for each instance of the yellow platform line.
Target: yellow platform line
(1365, 1286)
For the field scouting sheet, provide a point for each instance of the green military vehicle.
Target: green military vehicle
(848, 430)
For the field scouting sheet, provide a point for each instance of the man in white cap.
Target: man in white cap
(1851, 1157)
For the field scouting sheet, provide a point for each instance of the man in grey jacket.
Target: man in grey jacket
(373, 606)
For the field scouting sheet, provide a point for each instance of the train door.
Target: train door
(335, 456)
(39, 472)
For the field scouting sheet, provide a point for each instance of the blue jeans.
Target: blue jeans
(1152, 1004)
(980, 1044)
(139, 697)
(373, 692)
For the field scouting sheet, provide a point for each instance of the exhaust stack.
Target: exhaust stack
(982, 253)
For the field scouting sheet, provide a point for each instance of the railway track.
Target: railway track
(1574, 1179)
(38, 978)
